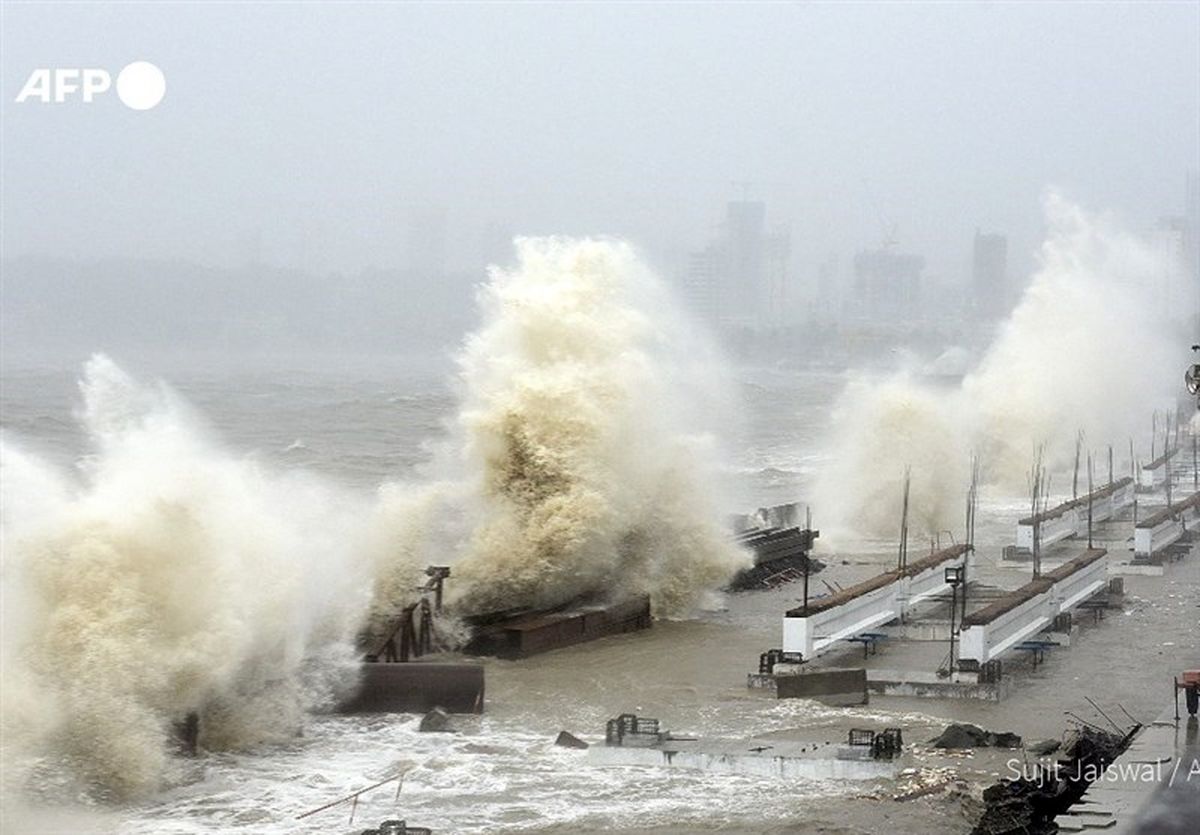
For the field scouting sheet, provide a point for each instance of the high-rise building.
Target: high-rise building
(744, 244)
(990, 294)
(1191, 229)
(704, 282)
(887, 284)
(741, 279)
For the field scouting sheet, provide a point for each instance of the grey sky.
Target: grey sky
(326, 126)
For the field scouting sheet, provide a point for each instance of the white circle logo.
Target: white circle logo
(141, 85)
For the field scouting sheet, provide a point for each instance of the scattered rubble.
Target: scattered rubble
(1028, 806)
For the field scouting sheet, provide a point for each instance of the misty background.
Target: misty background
(814, 180)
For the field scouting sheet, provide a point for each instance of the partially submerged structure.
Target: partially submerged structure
(392, 681)
(519, 634)
(635, 740)
(780, 540)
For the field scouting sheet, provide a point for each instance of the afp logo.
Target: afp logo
(140, 85)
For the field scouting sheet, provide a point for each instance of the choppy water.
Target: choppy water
(501, 773)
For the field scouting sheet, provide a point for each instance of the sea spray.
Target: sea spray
(170, 577)
(880, 428)
(1095, 344)
(1091, 346)
(580, 442)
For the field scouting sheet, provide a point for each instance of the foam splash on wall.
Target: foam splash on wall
(580, 448)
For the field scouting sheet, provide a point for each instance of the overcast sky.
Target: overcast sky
(328, 126)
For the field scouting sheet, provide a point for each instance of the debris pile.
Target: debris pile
(1029, 805)
(964, 735)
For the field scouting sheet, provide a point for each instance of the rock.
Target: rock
(963, 735)
(567, 740)
(436, 721)
(1029, 804)
(1004, 739)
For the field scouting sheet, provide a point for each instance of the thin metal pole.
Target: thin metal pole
(1089, 498)
(807, 548)
(1075, 474)
(1153, 434)
(1117, 727)
(353, 796)
(902, 559)
(953, 606)
(1167, 460)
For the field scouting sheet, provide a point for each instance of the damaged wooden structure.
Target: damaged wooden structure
(781, 555)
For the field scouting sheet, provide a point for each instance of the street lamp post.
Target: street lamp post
(954, 578)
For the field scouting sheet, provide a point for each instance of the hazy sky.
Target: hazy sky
(328, 126)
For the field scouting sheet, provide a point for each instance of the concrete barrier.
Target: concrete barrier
(1070, 518)
(1153, 475)
(1165, 527)
(417, 687)
(835, 687)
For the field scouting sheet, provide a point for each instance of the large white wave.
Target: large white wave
(1093, 345)
(580, 460)
(167, 577)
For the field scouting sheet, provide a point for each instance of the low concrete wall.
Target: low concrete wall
(1070, 518)
(1154, 474)
(417, 687)
(1158, 530)
(836, 687)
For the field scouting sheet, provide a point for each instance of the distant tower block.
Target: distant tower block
(989, 276)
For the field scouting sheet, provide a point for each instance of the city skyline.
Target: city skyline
(491, 118)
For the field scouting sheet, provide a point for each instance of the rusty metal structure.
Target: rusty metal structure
(629, 729)
(781, 555)
(529, 632)
(411, 636)
(883, 745)
(394, 681)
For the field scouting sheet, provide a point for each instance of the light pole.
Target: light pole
(954, 578)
